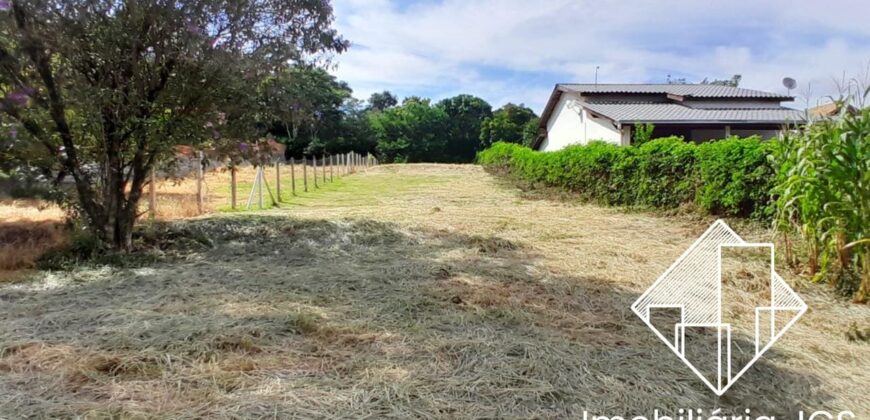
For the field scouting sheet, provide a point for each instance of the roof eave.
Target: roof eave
(701, 122)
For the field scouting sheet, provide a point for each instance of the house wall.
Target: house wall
(571, 124)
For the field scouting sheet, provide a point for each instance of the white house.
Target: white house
(580, 113)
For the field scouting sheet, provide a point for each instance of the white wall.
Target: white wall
(571, 124)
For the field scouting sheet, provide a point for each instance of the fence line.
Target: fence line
(331, 167)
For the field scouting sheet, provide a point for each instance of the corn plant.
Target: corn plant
(824, 197)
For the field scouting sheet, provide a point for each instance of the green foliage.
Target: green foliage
(530, 131)
(306, 105)
(729, 177)
(823, 184)
(380, 101)
(101, 92)
(412, 132)
(642, 133)
(507, 124)
(738, 176)
(465, 114)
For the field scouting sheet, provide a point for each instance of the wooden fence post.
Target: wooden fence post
(331, 164)
(250, 201)
(152, 195)
(233, 186)
(199, 178)
(323, 167)
(260, 185)
(278, 179)
(305, 172)
(293, 176)
(314, 167)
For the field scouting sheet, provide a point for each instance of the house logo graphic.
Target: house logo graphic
(720, 306)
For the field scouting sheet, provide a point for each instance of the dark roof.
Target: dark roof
(694, 90)
(664, 112)
(640, 109)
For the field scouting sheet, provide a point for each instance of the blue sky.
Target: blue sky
(516, 50)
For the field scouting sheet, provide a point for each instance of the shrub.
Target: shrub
(666, 172)
(736, 177)
(731, 177)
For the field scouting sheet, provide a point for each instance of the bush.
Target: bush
(737, 177)
(730, 177)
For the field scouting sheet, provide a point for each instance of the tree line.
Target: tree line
(315, 114)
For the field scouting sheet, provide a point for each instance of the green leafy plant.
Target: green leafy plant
(823, 188)
(730, 177)
(642, 133)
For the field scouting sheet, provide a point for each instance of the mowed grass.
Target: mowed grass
(341, 191)
(406, 291)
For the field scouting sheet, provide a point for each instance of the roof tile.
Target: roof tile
(694, 90)
(671, 112)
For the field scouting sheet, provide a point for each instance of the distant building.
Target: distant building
(829, 110)
(581, 113)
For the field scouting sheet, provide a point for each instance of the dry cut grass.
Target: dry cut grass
(28, 229)
(409, 291)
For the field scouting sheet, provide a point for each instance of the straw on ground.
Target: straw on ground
(406, 291)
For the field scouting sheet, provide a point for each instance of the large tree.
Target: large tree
(306, 102)
(466, 113)
(412, 132)
(99, 91)
(510, 123)
(380, 101)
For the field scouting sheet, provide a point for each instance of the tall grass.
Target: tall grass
(823, 188)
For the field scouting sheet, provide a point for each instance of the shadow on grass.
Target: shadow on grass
(275, 316)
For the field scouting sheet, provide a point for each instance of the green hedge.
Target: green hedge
(731, 177)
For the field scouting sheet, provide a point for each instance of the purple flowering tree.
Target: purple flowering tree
(100, 91)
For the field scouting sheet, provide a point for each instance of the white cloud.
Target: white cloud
(515, 50)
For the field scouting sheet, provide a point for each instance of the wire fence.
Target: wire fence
(208, 187)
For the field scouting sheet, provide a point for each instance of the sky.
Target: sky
(517, 50)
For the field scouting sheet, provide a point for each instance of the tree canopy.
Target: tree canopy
(465, 114)
(380, 101)
(100, 91)
(510, 123)
(305, 104)
(412, 132)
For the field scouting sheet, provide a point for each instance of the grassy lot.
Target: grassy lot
(406, 291)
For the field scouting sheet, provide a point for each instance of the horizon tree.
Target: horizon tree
(303, 99)
(511, 123)
(380, 101)
(466, 115)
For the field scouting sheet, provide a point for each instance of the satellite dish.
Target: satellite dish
(789, 83)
